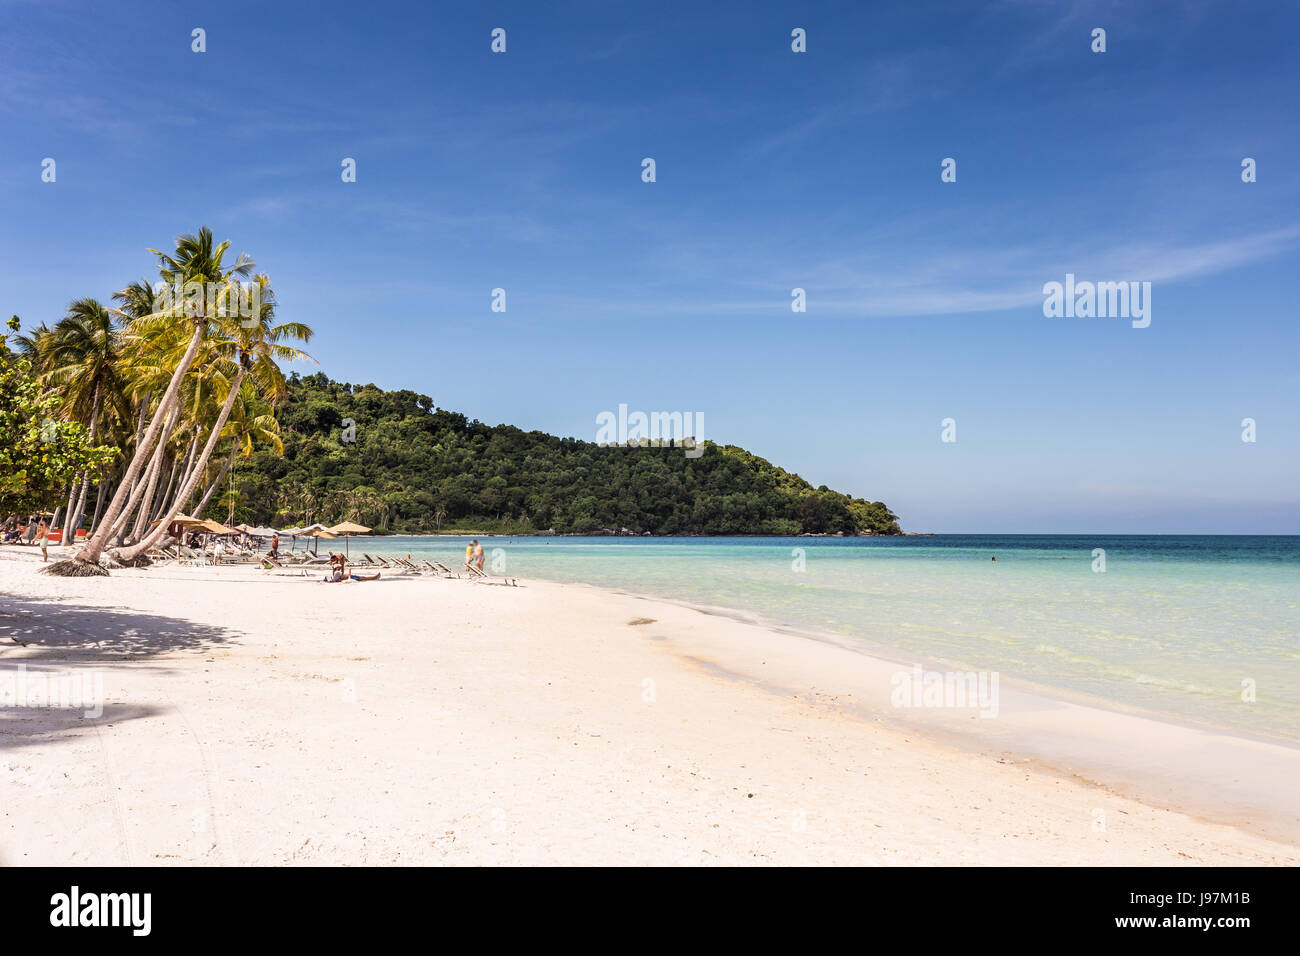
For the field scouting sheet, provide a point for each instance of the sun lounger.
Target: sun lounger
(189, 556)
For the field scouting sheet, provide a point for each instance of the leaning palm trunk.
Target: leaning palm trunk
(74, 517)
(166, 495)
(216, 482)
(189, 464)
(139, 419)
(150, 502)
(75, 512)
(99, 502)
(145, 485)
(72, 501)
(95, 546)
(139, 435)
(164, 492)
(143, 493)
(130, 554)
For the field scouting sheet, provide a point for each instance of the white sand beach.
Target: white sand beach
(256, 719)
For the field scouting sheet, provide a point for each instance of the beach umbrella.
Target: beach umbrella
(215, 527)
(348, 529)
(315, 531)
(184, 520)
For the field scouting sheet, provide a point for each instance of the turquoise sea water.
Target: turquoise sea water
(1174, 623)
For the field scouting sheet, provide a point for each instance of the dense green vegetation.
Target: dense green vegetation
(40, 452)
(404, 465)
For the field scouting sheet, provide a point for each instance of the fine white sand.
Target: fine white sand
(256, 719)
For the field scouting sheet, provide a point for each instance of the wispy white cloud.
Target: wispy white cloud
(993, 279)
(901, 282)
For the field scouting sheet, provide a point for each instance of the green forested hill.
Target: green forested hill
(413, 467)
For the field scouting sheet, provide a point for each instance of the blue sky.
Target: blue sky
(775, 170)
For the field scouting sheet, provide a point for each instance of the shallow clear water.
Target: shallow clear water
(1173, 624)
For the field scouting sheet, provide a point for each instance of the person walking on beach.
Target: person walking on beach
(42, 538)
(478, 556)
(469, 554)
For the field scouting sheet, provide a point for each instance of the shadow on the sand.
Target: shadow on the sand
(25, 726)
(68, 641)
(72, 632)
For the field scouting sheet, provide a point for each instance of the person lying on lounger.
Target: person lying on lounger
(339, 571)
(337, 576)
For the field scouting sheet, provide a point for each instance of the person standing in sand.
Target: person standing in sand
(43, 538)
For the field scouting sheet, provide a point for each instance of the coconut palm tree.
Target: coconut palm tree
(81, 361)
(196, 259)
(201, 395)
(252, 348)
(35, 346)
(153, 350)
(136, 301)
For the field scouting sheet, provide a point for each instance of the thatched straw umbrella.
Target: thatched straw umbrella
(348, 529)
(315, 531)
